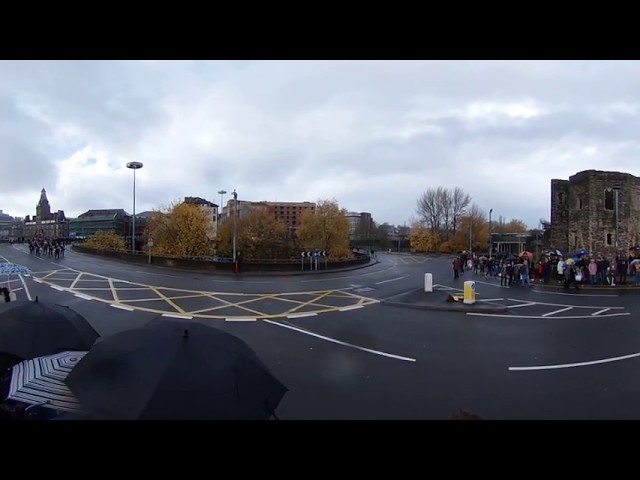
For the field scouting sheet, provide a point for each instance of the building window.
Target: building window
(609, 236)
(609, 199)
(580, 204)
(560, 198)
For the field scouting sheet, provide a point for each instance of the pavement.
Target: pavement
(345, 353)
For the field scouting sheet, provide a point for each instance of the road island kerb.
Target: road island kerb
(418, 299)
(229, 273)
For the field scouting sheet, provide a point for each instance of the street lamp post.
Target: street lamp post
(134, 166)
(235, 213)
(222, 193)
(490, 235)
(616, 189)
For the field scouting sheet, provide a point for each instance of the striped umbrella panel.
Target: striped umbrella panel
(13, 269)
(40, 381)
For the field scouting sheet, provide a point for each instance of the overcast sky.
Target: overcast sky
(372, 134)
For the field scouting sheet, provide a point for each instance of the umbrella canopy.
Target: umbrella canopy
(8, 268)
(633, 262)
(525, 254)
(175, 370)
(39, 381)
(35, 329)
(553, 252)
(581, 252)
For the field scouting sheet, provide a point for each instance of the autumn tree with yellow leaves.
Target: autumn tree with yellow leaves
(326, 229)
(422, 238)
(104, 240)
(180, 230)
(258, 235)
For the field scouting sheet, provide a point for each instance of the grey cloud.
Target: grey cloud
(275, 125)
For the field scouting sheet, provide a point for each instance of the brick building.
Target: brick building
(583, 211)
(287, 213)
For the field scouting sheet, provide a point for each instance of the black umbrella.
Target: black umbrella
(175, 370)
(36, 329)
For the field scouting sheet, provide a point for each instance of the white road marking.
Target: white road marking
(83, 296)
(572, 365)
(172, 315)
(490, 300)
(352, 307)
(348, 276)
(532, 316)
(122, 307)
(563, 305)
(527, 304)
(37, 280)
(392, 280)
(302, 315)
(497, 285)
(557, 311)
(574, 294)
(600, 311)
(55, 287)
(340, 342)
(26, 290)
(240, 319)
(157, 274)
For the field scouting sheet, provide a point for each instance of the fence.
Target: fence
(225, 264)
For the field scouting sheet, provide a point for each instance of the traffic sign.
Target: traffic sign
(304, 254)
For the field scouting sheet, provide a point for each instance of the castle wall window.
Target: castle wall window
(609, 237)
(609, 199)
(580, 203)
(560, 198)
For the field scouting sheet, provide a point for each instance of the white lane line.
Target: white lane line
(564, 305)
(83, 296)
(240, 319)
(352, 307)
(340, 342)
(572, 365)
(497, 285)
(477, 314)
(527, 304)
(172, 315)
(302, 315)
(573, 294)
(490, 300)
(37, 280)
(55, 287)
(556, 311)
(392, 280)
(26, 290)
(157, 274)
(600, 311)
(122, 307)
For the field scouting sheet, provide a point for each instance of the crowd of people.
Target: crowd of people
(580, 268)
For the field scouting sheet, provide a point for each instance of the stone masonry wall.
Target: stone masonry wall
(559, 214)
(588, 227)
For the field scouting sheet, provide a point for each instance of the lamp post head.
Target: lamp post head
(222, 192)
(134, 165)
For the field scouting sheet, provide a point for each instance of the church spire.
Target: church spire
(43, 197)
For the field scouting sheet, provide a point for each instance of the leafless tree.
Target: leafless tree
(459, 203)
